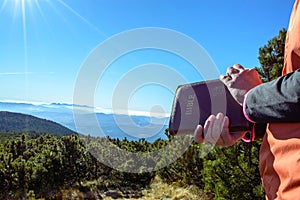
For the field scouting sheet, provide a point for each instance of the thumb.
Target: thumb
(226, 122)
(225, 79)
(198, 134)
(238, 135)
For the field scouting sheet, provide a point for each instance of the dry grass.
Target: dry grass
(164, 191)
(158, 190)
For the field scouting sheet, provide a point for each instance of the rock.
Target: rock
(92, 195)
(113, 194)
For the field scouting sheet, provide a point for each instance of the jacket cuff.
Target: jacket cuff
(244, 108)
(250, 136)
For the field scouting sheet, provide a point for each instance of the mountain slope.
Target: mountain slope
(17, 122)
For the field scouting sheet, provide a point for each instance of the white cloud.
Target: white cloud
(141, 113)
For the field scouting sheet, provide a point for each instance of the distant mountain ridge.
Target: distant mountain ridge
(150, 128)
(17, 122)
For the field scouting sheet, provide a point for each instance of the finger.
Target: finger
(226, 122)
(198, 134)
(225, 135)
(238, 135)
(238, 67)
(208, 128)
(229, 70)
(233, 73)
(230, 138)
(217, 126)
(238, 70)
(225, 78)
(222, 76)
(233, 137)
(232, 70)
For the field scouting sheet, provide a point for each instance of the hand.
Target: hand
(216, 131)
(239, 81)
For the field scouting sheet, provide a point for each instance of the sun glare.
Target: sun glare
(18, 8)
(17, 1)
(24, 11)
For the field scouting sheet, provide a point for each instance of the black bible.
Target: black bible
(194, 103)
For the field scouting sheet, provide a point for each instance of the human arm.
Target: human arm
(275, 101)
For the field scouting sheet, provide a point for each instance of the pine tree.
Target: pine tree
(271, 57)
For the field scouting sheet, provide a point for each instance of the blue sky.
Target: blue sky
(43, 44)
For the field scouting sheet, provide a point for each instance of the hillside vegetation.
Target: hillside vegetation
(51, 166)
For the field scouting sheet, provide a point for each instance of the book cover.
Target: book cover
(194, 103)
